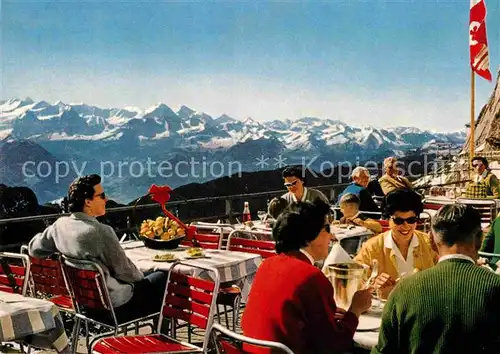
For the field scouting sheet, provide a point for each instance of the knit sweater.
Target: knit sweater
(83, 237)
(310, 195)
(452, 307)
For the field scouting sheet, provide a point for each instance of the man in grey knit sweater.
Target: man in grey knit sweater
(81, 236)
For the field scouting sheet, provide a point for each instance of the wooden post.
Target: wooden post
(472, 118)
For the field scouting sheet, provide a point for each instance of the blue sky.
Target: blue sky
(380, 63)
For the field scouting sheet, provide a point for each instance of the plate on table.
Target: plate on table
(197, 257)
(167, 257)
(369, 322)
(195, 253)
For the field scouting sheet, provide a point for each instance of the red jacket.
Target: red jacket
(291, 301)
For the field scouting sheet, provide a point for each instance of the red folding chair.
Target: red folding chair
(228, 342)
(265, 249)
(14, 270)
(89, 293)
(250, 242)
(384, 224)
(187, 298)
(46, 281)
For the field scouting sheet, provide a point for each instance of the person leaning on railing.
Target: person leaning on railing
(392, 180)
(360, 178)
(291, 300)
(484, 183)
(402, 250)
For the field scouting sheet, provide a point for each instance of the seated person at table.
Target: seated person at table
(392, 179)
(82, 236)
(276, 207)
(491, 243)
(360, 179)
(402, 250)
(484, 184)
(291, 300)
(349, 206)
(295, 179)
(452, 307)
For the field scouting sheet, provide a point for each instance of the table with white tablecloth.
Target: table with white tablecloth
(237, 268)
(366, 335)
(33, 321)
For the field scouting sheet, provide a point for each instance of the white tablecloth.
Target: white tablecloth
(234, 267)
(353, 231)
(367, 339)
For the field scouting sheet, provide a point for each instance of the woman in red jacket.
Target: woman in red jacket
(291, 300)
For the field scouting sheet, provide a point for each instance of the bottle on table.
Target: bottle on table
(246, 212)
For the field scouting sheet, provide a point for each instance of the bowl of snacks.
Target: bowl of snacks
(162, 233)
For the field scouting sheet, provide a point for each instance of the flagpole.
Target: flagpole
(472, 116)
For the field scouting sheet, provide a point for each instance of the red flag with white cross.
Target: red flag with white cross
(478, 44)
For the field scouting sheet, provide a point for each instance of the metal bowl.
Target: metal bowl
(162, 244)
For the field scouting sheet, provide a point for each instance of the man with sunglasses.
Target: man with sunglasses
(294, 180)
(484, 184)
(82, 236)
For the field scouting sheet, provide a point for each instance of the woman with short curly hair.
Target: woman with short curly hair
(401, 250)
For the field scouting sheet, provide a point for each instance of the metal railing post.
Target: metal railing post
(229, 209)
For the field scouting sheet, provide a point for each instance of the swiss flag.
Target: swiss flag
(478, 44)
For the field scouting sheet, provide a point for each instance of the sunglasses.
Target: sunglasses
(291, 184)
(101, 195)
(401, 221)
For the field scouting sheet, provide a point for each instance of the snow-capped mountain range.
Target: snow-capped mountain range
(42, 121)
(99, 140)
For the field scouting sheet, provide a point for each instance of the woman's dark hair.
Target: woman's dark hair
(295, 171)
(80, 189)
(402, 200)
(276, 207)
(299, 224)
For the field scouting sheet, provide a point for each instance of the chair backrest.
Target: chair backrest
(487, 208)
(88, 286)
(210, 237)
(14, 270)
(384, 224)
(47, 277)
(190, 298)
(239, 244)
(229, 342)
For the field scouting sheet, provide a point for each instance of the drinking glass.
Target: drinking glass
(261, 214)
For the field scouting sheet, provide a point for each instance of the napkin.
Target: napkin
(337, 255)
